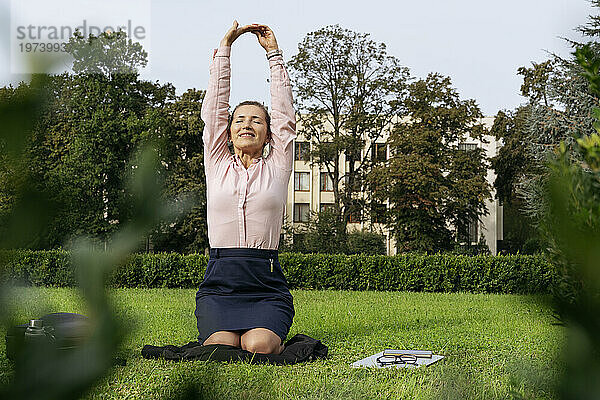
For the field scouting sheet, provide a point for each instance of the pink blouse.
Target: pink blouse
(245, 206)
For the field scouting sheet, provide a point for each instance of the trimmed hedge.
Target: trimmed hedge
(410, 272)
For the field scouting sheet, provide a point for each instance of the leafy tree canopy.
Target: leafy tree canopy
(348, 91)
(433, 179)
(106, 54)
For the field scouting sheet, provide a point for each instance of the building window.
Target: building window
(326, 182)
(301, 149)
(378, 213)
(327, 207)
(302, 181)
(301, 212)
(379, 152)
(472, 231)
(467, 146)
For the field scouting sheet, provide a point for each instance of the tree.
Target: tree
(110, 53)
(189, 233)
(535, 81)
(433, 180)
(513, 160)
(7, 169)
(511, 164)
(564, 115)
(105, 118)
(92, 123)
(365, 242)
(348, 91)
(572, 225)
(25, 206)
(322, 234)
(559, 109)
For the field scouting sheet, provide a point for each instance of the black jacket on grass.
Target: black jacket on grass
(300, 348)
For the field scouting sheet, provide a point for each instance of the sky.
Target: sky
(479, 44)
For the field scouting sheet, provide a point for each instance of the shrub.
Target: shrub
(364, 242)
(409, 272)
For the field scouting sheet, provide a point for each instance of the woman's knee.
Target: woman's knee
(224, 337)
(261, 342)
(262, 346)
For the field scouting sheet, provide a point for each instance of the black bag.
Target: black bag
(63, 330)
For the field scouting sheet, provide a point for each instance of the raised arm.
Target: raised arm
(283, 116)
(215, 105)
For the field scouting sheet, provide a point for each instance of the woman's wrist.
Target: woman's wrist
(274, 52)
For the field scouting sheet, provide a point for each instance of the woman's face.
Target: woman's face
(249, 129)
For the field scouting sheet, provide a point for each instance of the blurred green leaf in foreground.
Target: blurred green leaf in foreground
(48, 373)
(574, 223)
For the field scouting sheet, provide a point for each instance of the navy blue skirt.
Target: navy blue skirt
(243, 288)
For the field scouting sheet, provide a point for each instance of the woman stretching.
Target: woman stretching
(244, 300)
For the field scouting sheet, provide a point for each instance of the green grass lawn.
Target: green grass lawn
(496, 346)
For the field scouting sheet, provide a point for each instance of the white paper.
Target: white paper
(371, 361)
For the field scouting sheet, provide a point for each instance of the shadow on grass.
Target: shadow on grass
(215, 381)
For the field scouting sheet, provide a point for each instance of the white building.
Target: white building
(310, 189)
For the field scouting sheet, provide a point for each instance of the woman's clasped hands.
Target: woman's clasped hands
(263, 33)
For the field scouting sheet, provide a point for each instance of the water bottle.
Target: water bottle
(35, 333)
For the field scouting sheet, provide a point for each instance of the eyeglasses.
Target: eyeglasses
(397, 359)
